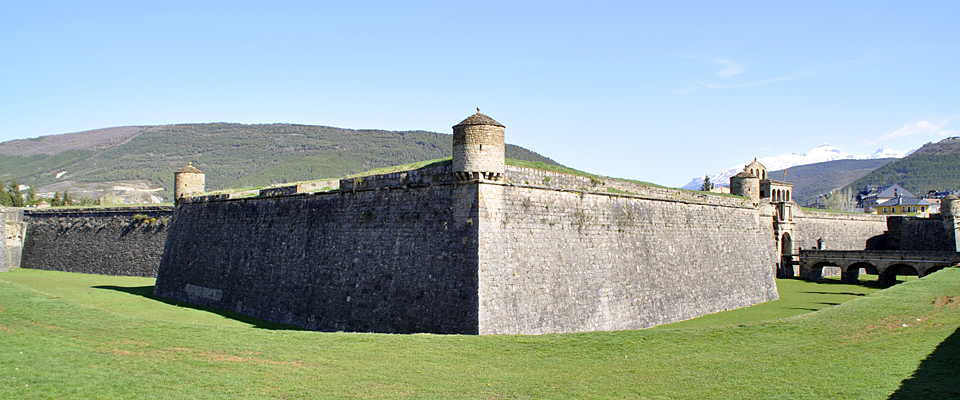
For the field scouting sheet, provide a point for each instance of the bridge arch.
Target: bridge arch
(932, 269)
(888, 276)
(816, 271)
(851, 272)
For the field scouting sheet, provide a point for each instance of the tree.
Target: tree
(707, 185)
(56, 201)
(5, 199)
(32, 195)
(15, 195)
(67, 201)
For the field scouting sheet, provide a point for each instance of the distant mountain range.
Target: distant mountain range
(136, 163)
(822, 153)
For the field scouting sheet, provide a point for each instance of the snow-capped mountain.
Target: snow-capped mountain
(822, 153)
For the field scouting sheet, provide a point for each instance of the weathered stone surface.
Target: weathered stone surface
(560, 261)
(105, 241)
(396, 259)
(839, 231)
(12, 230)
(419, 252)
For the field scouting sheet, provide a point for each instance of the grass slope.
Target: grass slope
(68, 336)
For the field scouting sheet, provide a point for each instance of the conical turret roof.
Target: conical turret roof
(478, 119)
(190, 169)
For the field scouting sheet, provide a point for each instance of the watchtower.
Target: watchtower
(478, 148)
(188, 180)
(745, 184)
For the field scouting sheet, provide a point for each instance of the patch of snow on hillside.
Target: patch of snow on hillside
(822, 153)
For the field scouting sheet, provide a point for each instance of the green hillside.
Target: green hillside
(231, 155)
(813, 179)
(935, 166)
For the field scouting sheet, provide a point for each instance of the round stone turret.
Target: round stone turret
(188, 180)
(950, 206)
(745, 184)
(478, 148)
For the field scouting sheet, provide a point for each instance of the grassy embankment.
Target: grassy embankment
(82, 336)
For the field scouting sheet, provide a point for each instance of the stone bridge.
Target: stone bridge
(887, 264)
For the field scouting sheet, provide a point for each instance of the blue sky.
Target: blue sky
(661, 92)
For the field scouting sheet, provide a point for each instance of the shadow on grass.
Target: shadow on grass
(841, 293)
(147, 291)
(873, 284)
(936, 377)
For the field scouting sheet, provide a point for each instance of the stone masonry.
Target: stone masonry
(102, 240)
(12, 231)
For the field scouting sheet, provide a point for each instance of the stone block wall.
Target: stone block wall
(371, 257)
(562, 261)
(840, 231)
(12, 231)
(105, 241)
(921, 234)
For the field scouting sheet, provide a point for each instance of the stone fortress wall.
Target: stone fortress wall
(561, 261)
(420, 252)
(838, 231)
(392, 253)
(12, 231)
(104, 240)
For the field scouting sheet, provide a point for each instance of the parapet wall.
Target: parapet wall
(839, 231)
(555, 180)
(107, 241)
(12, 231)
(393, 253)
(553, 260)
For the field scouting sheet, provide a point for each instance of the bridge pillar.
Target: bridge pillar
(885, 279)
(850, 275)
(811, 274)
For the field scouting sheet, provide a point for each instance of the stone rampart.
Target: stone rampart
(554, 260)
(555, 180)
(839, 231)
(106, 241)
(12, 230)
(417, 251)
(371, 257)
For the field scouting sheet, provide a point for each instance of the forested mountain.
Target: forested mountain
(811, 180)
(935, 166)
(231, 155)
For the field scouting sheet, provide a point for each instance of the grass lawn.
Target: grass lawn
(85, 336)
